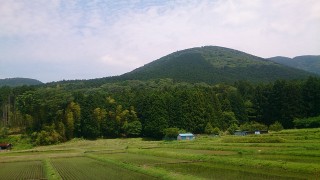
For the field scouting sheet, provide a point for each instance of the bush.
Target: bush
(133, 129)
(47, 136)
(252, 126)
(312, 122)
(208, 129)
(171, 133)
(216, 131)
(277, 126)
(4, 132)
(232, 128)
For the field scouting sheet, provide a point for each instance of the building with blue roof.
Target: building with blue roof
(185, 136)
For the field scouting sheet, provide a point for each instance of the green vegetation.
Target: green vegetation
(286, 154)
(212, 64)
(171, 95)
(171, 92)
(55, 114)
(85, 168)
(22, 170)
(14, 82)
(276, 126)
(307, 63)
(311, 122)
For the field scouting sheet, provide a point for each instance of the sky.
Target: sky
(52, 40)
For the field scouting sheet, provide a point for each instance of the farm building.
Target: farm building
(244, 133)
(7, 146)
(185, 136)
(240, 133)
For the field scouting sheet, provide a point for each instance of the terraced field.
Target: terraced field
(289, 154)
(86, 168)
(22, 170)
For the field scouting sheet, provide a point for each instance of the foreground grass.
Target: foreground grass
(289, 154)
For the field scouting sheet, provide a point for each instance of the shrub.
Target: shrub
(171, 133)
(47, 136)
(252, 126)
(311, 122)
(133, 129)
(277, 126)
(4, 132)
(208, 129)
(232, 128)
(216, 131)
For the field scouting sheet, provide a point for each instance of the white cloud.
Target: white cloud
(101, 38)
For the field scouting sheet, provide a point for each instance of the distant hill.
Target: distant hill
(209, 64)
(308, 63)
(212, 64)
(13, 82)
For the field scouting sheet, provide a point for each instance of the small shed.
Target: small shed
(185, 136)
(240, 133)
(6, 146)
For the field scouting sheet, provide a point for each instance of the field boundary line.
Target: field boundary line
(179, 162)
(50, 170)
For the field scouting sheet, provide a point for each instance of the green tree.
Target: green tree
(171, 133)
(228, 118)
(277, 126)
(133, 129)
(208, 129)
(232, 128)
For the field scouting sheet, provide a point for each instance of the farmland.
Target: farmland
(288, 154)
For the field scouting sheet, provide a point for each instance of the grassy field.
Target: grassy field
(288, 154)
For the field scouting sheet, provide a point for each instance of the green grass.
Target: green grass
(19, 142)
(22, 170)
(86, 168)
(288, 154)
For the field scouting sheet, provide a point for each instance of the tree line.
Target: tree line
(57, 113)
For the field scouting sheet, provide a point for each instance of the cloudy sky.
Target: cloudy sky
(52, 40)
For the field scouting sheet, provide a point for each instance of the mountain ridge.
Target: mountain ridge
(213, 64)
(18, 81)
(208, 64)
(310, 63)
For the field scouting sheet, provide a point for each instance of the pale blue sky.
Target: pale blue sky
(51, 40)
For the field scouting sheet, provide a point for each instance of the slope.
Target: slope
(13, 82)
(308, 63)
(212, 64)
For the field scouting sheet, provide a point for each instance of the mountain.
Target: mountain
(213, 64)
(308, 63)
(13, 82)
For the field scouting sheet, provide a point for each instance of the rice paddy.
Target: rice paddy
(289, 154)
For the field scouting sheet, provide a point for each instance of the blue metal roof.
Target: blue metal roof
(186, 134)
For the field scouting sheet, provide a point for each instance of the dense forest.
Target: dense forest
(54, 113)
(14, 82)
(208, 64)
(308, 63)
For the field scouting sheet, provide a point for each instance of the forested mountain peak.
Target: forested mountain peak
(13, 82)
(213, 64)
(221, 57)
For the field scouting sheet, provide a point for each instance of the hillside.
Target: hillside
(212, 64)
(307, 63)
(13, 82)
